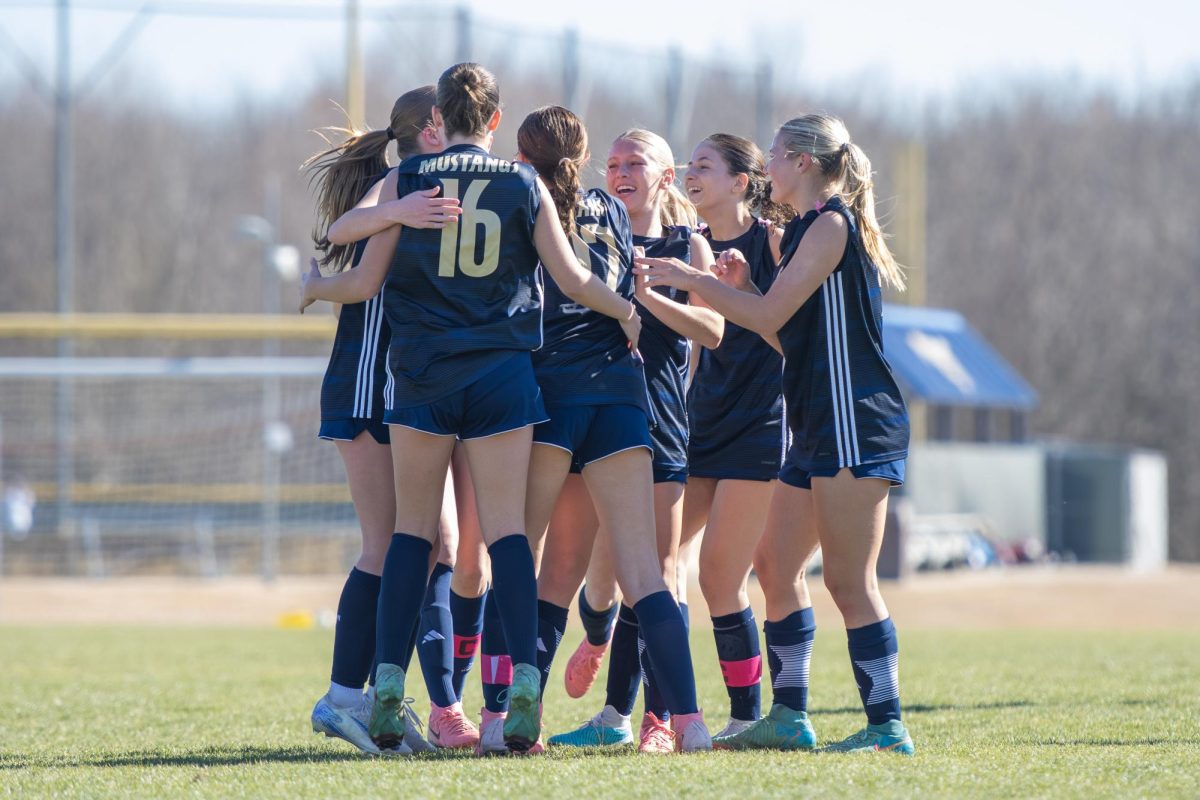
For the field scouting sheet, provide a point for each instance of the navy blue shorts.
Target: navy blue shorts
(757, 458)
(891, 471)
(590, 433)
(347, 430)
(505, 399)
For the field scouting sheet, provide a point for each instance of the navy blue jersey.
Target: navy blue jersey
(468, 296)
(585, 359)
(844, 406)
(735, 403)
(666, 355)
(355, 378)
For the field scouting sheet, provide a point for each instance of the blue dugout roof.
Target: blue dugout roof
(940, 359)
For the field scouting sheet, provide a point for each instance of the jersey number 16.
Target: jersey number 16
(459, 241)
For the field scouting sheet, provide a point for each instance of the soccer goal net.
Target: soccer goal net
(168, 445)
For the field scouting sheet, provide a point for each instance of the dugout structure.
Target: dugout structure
(180, 448)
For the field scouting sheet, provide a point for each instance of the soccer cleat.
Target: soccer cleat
(655, 736)
(890, 737)
(387, 725)
(491, 734)
(734, 726)
(523, 725)
(450, 728)
(583, 667)
(691, 734)
(595, 733)
(783, 729)
(348, 724)
(414, 733)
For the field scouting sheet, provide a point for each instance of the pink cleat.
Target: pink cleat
(655, 736)
(583, 667)
(449, 728)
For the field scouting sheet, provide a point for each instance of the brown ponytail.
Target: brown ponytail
(554, 142)
(467, 96)
(344, 172)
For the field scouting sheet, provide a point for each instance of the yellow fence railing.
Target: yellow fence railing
(313, 326)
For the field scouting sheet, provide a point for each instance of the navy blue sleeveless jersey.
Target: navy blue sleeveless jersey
(467, 297)
(666, 355)
(585, 359)
(844, 406)
(357, 371)
(735, 403)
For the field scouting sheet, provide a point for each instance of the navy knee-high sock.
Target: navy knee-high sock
(624, 667)
(656, 703)
(405, 571)
(741, 662)
(667, 646)
(789, 653)
(354, 633)
(598, 625)
(435, 647)
(515, 586)
(552, 621)
(875, 654)
(495, 667)
(467, 613)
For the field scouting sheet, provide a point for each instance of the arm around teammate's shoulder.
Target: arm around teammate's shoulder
(420, 209)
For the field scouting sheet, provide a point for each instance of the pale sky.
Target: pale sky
(914, 50)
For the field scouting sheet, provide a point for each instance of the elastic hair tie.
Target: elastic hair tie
(391, 134)
(845, 146)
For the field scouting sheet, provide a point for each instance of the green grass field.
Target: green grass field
(166, 712)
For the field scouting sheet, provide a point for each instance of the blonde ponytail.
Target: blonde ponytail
(826, 139)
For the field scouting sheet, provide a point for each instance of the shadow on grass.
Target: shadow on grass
(205, 757)
(922, 708)
(231, 756)
(1144, 742)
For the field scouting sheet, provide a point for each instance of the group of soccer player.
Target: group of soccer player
(602, 378)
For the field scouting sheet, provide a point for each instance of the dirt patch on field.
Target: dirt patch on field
(1064, 597)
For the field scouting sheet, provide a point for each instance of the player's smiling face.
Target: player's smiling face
(709, 183)
(631, 176)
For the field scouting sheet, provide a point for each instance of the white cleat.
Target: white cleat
(414, 732)
(348, 724)
(691, 734)
(734, 727)
(491, 735)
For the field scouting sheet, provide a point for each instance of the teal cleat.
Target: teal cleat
(387, 717)
(890, 737)
(523, 725)
(783, 729)
(595, 733)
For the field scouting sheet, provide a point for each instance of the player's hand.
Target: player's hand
(314, 271)
(424, 209)
(733, 270)
(665, 272)
(633, 330)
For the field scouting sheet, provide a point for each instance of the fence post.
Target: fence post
(92, 548)
(462, 29)
(764, 111)
(571, 69)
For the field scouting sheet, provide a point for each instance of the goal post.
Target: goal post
(193, 463)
